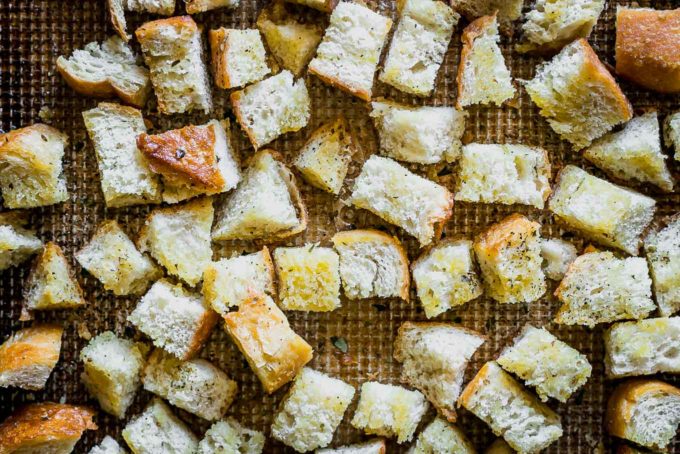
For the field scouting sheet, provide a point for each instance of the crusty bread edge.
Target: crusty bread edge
(470, 33)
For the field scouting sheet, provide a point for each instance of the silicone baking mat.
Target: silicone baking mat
(33, 33)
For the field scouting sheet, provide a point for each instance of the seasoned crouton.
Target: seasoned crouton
(156, 429)
(29, 355)
(441, 436)
(662, 248)
(230, 436)
(17, 244)
(107, 446)
(238, 57)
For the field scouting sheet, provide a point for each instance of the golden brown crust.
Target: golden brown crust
(327, 6)
(12, 142)
(473, 31)
(28, 348)
(514, 229)
(335, 82)
(150, 29)
(206, 325)
(219, 47)
(118, 24)
(474, 385)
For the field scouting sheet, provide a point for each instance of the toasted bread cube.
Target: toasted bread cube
(107, 446)
(557, 256)
(418, 46)
(111, 371)
(508, 10)
(194, 385)
(29, 355)
(156, 429)
(643, 347)
(172, 50)
(434, 357)
(201, 6)
(311, 411)
(373, 264)
(543, 361)
(265, 205)
(238, 57)
(601, 288)
(348, 55)
(17, 244)
(671, 133)
(117, 10)
(262, 333)
(509, 255)
(113, 259)
(32, 174)
(322, 5)
(324, 159)
(620, 226)
(175, 319)
(400, 197)
(229, 436)
(662, 248)
(424, 135)
(389, 411)
(440, 436)
(374, 446)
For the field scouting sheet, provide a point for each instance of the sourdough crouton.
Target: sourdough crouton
(113, 259)
(29, 355)
(31, 167)
(508, 10)
(441, 437)
(156, 429)
(229, 436)
(262, 333)
(601, 288)
(557, 256)
(374, 446)
(176, 320)
(111, 370)
(201, 6)
(400, 197)
(671, 133)
(543, 361)
(311, 411)
(173, 52)
(238, 57)
(662, 248)
(322, 5)
(509, 255)
(521, 174)
(107, 446)
(620, 226)
(348, 55)
(17, 244)
(434, 357)
(125, 174)
(424, 135)
(194, 385)
(418, 46)
(117, 10)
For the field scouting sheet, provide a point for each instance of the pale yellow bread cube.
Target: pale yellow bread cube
(107, 446)
(662, 248)
(238, 57)
(442, 437)
(229, 436)
(17, 243)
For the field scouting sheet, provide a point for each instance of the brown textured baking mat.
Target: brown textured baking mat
(33, 33)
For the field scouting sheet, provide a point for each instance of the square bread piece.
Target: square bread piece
(272, 107)
(107, 446)
(620, 225)
(434, 357)
(373, 264)
(418, 46)
(113, 259)
(308, 278)
(324, 159)
(601, 288)
(348, 55)
(238, 57)
(642, 347)
(156, 429)
(173, 52)
(483, 77)
(28, 356)
(446, 276)
(175, 319)
(201, 6)
(265, 205)
(262, 333)
(228, 436)
(229, 282)
(312, 410)
(178, 237)
(423, 135)
(111, 371)
(31, 162)
(521, 174)
(576, 94)
(662, 248)
(389, 411)
(192, 160)
(509, 256)
(527, 424)
(634, 153)
(195, 385)
(400, 197)
(508, 10)
(322, 5)
(17, 244)
(546, 363)
(373, 446)
(671, 133)
(441, 437)
(125, 174)
(557, 255)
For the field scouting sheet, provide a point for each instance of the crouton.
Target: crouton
(671, 133)
(117, 10)
(201, 6)
(557, 256)
(238, 57)
(499, 446)
(440, 436)
(508, 10)
(322, 5)
(662, 248)
(230, 436)
(17, 244)
(29, 355)
(107, 446)
(374, 446)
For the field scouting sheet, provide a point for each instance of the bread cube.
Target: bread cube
(262, 333)
(311, 411)
(400, 197)
(111, 371)
(671, 133)
(620, 226)
(228, 436)
(175, 319)
(113, 259)
(107, 446)
(440, 436)
(117, 10)
(201, 6)
(508, 10)
(238, 57)
(348, 55)
(322, 5)
(31, 164)
(662, 248)
(424, 135)
(509, 255)
(601, 288)
(374, 446)
(17, 244)
(28, 356)
(434, 357)
(557, 256)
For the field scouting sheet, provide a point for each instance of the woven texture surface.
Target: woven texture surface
(33, 33)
